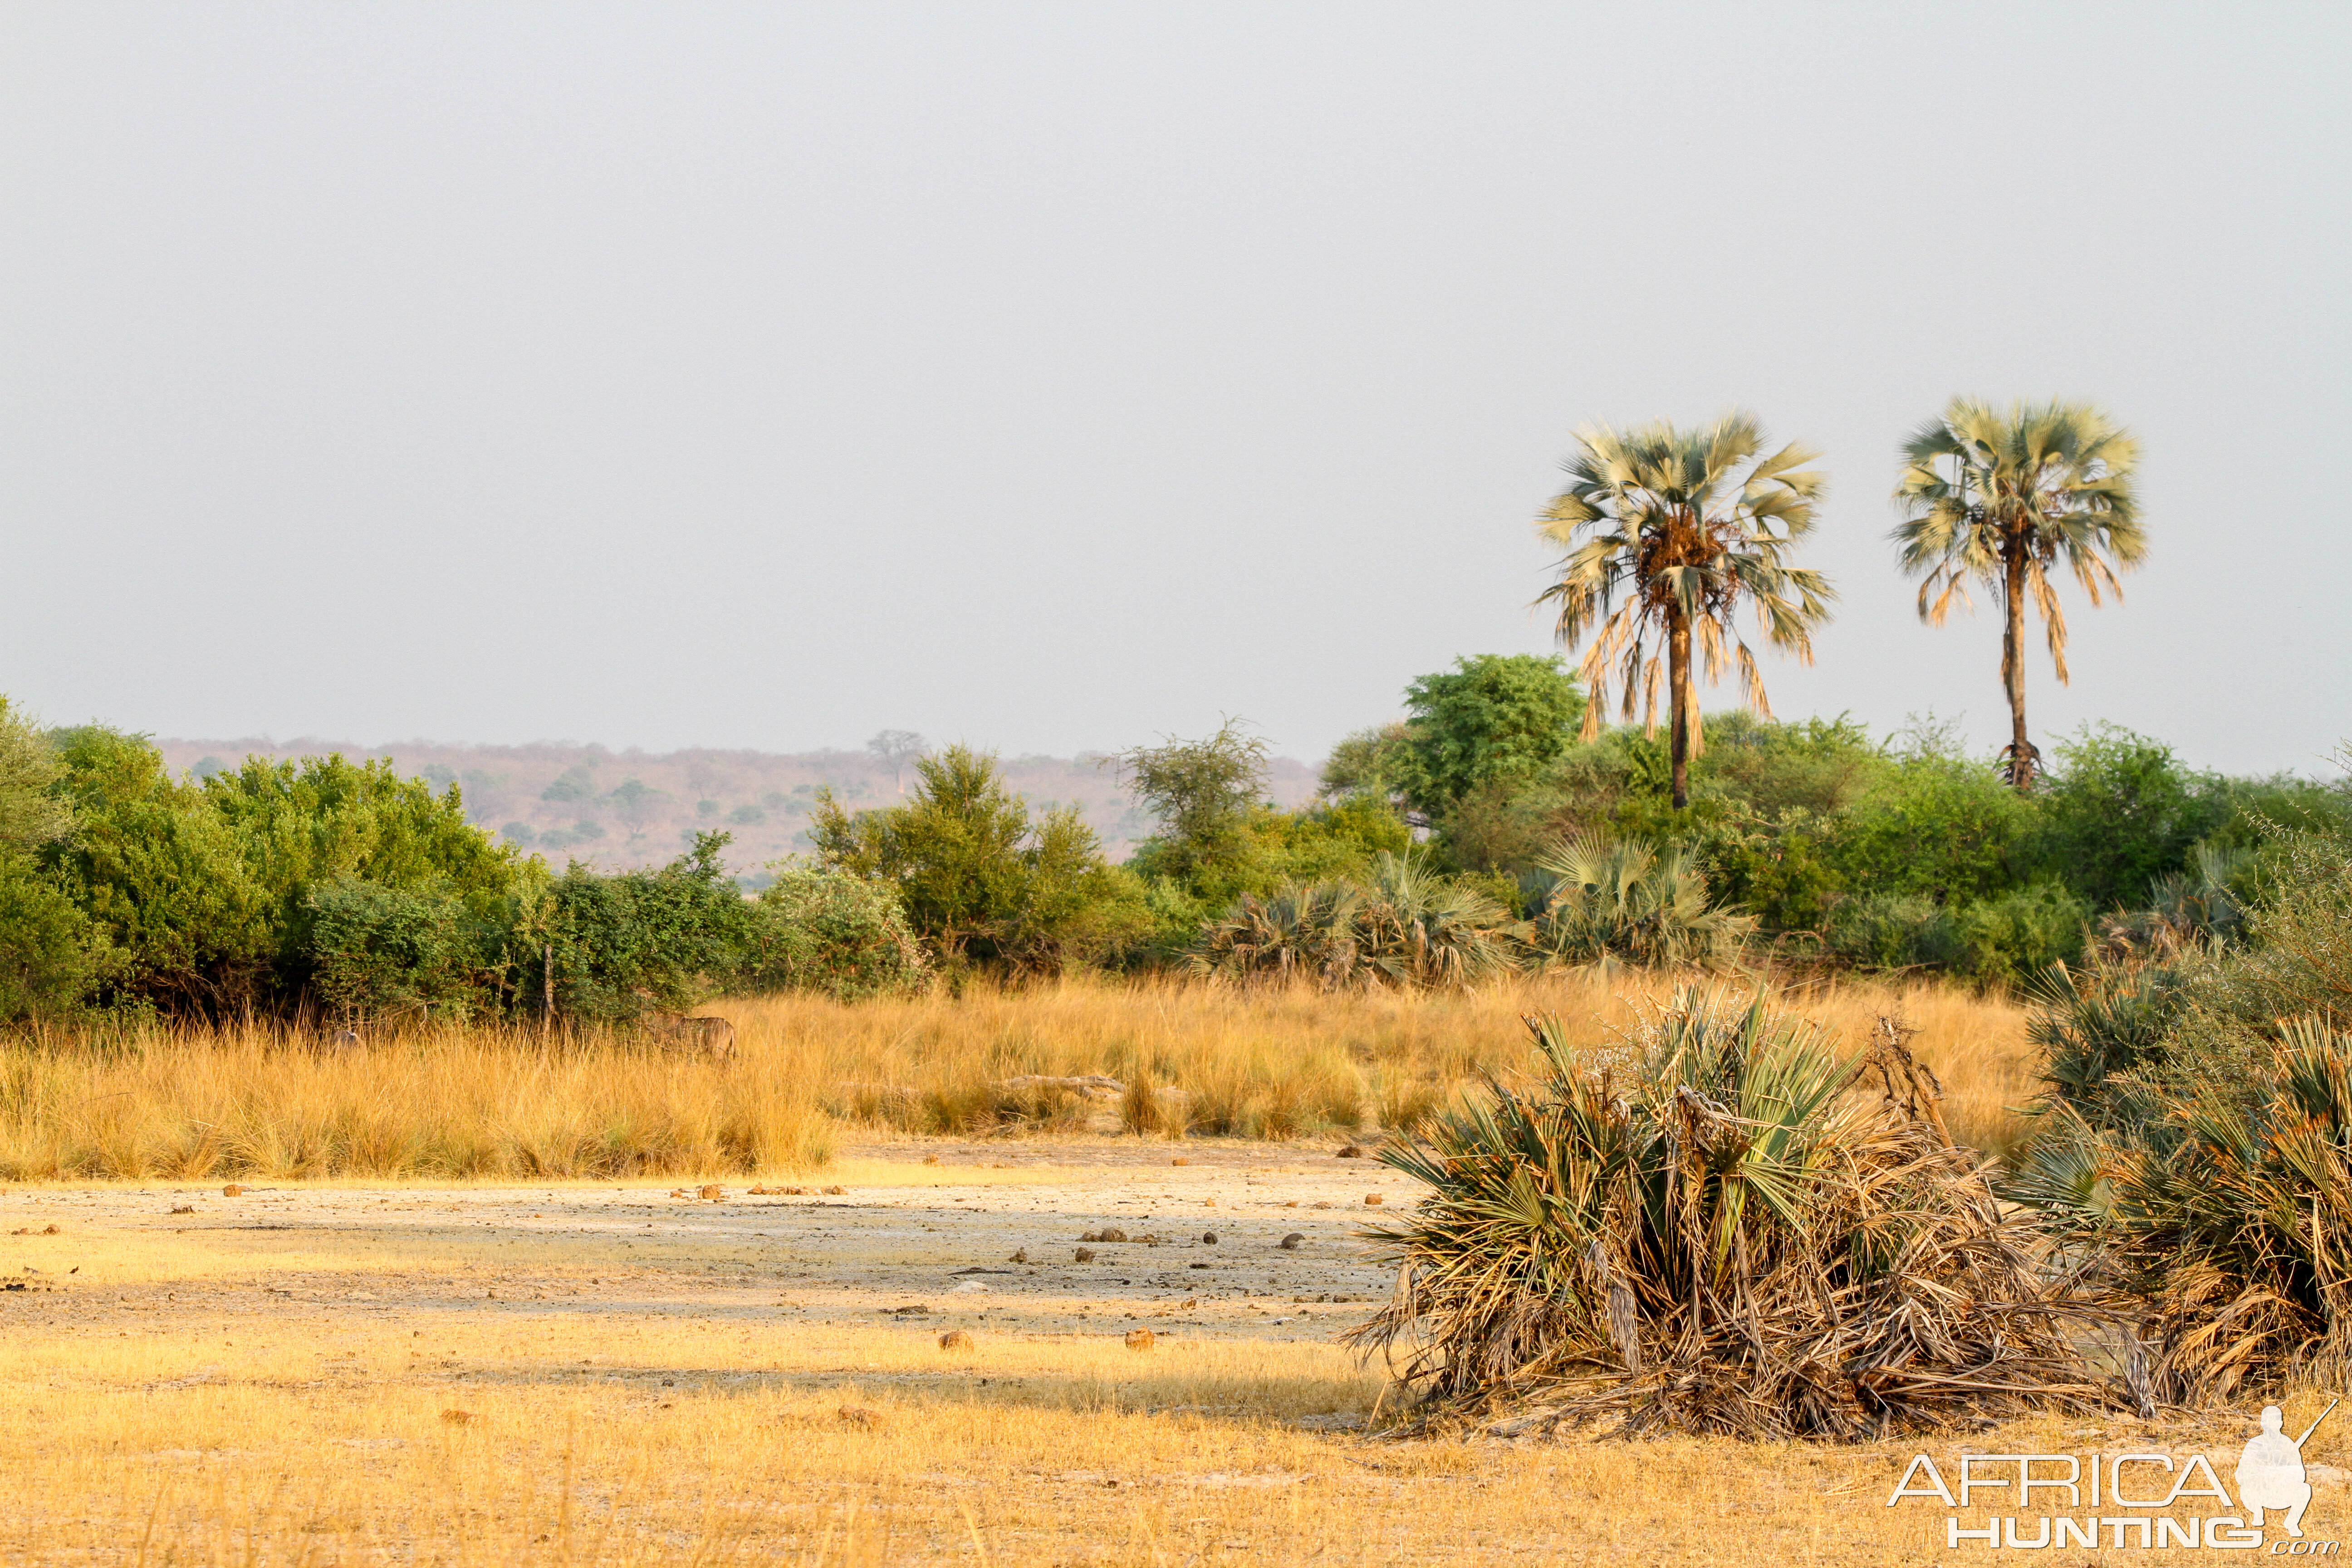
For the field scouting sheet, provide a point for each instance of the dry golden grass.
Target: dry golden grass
(182, 1413)
(1277, 1063)
(483, 1104)
(441, 1104)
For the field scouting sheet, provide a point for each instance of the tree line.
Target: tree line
(1505, 823)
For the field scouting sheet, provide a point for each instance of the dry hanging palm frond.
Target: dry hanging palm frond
(1728, 1240)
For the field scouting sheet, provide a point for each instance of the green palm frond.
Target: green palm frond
(1600, 901)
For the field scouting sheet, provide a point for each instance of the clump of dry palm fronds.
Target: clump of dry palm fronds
(1718, 1232)
(2224, 1213)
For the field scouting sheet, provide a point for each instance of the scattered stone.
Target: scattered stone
(185, 1208)
(1140, 1338)
(1085, 1255)
(858, 1416)
(1208, 1239)
(1179, 1159)
(232, 1191)
(1350, 1152)
(1020, 1254)
(1371, 1200)
(1200, 1265)
(1290, 1243)
(967, 1288)
(955, 1339)
(459, 1417)
(711, 1191)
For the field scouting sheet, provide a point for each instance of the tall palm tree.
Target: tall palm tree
(2001, 495)
(1685, 524)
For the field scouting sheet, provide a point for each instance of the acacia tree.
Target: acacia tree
(1682, 525)
(2002, 495)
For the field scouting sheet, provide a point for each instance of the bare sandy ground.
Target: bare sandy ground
(573, 1373)
(985, 1236)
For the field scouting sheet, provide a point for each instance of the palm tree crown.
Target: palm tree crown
(2002, 496)
(1682, 525)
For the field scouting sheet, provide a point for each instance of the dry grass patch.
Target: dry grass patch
(260, 1104)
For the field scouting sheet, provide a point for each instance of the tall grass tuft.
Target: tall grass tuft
(444, 1104)
(1714, 1232)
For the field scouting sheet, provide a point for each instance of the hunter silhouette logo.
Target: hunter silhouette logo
(2269, 1473)
(2158, 1499)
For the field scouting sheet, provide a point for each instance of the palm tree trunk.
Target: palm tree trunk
(2012, 668)
(1678, 640)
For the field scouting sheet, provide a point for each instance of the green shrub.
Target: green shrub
(1890, 930)
(166, 882)
(637, 942)
(1494, 719)
(2001, 941)
(2118, 813)
(832, 932)
(382, 952)
(981, 883)
(51, 955)
(2007, 939)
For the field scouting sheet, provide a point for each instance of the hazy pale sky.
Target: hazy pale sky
(1054, 377)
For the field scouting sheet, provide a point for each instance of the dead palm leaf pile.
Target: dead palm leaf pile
(1718, 1232)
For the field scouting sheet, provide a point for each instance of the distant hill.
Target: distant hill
(616, 809)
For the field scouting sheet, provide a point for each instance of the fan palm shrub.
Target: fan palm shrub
(2227, 1216)
(1601, 902)
(1408, 927)
(1712, 1234)
(2199, 1141)
(2003, 495)
(1687, 526)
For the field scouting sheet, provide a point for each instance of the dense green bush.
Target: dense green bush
(982, 881)
(832, 932)
(2003, 940)
(163, 880)
(624, 944)
(52, 957)
(1222, 840)
(381, 953)
(1495, 719)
